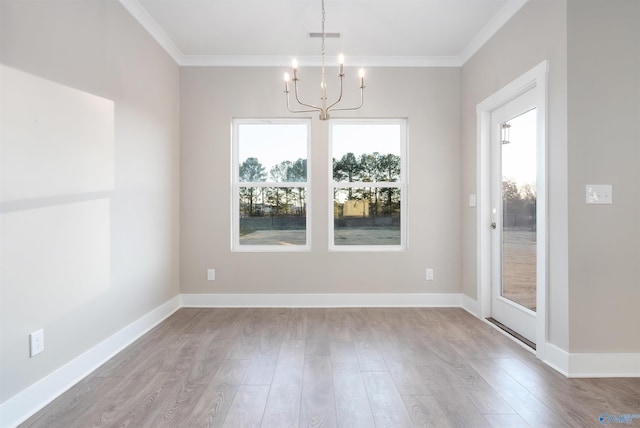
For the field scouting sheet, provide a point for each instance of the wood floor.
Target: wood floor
(350, 368)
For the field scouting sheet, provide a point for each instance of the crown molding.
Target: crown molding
(148, 23)
(314, 61)
(492, 27)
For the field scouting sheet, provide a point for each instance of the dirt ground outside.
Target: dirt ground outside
(367, 236)
(519, 267)
(342, 237)
(274, 237)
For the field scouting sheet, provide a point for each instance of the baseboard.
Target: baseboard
(471, 305)
(578, 365)
(302, 300)
(26, 403)
(556, 358)
(604, 365)
(591, 365)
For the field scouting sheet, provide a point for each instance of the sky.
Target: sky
(519, 156)
(272, 143)
(365, 138)
(275, 143)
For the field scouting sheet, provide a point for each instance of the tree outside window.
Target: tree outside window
(271, 197)
(368, 184)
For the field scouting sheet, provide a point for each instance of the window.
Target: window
(368, 185)
(271, 198)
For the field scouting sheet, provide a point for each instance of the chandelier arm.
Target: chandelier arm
(314, 107)
(354, 108)
(339, 96)
(297, 111)
(301, 111)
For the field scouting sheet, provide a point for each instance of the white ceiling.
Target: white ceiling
(373, 32)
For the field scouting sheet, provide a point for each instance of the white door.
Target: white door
(514, 215)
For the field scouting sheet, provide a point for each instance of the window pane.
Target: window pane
(273, 216)
(366, 152)
(272, 152)
(366, 216)
(518, 163)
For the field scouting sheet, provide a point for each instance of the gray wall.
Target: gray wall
(604, 148)
(98, 48)
(429, 98)
(536, 33)
(593, 138)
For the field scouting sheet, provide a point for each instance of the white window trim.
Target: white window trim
(236, 185)
(402, 184)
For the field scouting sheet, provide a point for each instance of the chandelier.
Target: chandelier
(323, 108)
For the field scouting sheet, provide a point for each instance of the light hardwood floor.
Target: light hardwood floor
(349, 368)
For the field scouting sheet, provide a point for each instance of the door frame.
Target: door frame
(536, 78)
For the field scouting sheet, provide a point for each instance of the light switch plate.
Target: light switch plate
(599, 193)
(211, 274)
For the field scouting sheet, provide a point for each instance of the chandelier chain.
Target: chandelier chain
(323, 33)
(323, 83)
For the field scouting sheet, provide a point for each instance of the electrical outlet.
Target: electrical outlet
(36, 340)
(211, 274)
(429, 274)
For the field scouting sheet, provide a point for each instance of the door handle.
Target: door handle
(493, 225)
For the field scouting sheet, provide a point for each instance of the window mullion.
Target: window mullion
(347, 184)
(272, 184)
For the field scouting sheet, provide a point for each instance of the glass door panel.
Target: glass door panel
(518, 164)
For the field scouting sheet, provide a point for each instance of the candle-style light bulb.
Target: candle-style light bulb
(286, 82)
(294, 65)
(341, 64)
(361, 74)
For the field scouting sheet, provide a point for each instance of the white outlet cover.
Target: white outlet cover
(36, 342)
(429, 274)
(211, 274)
